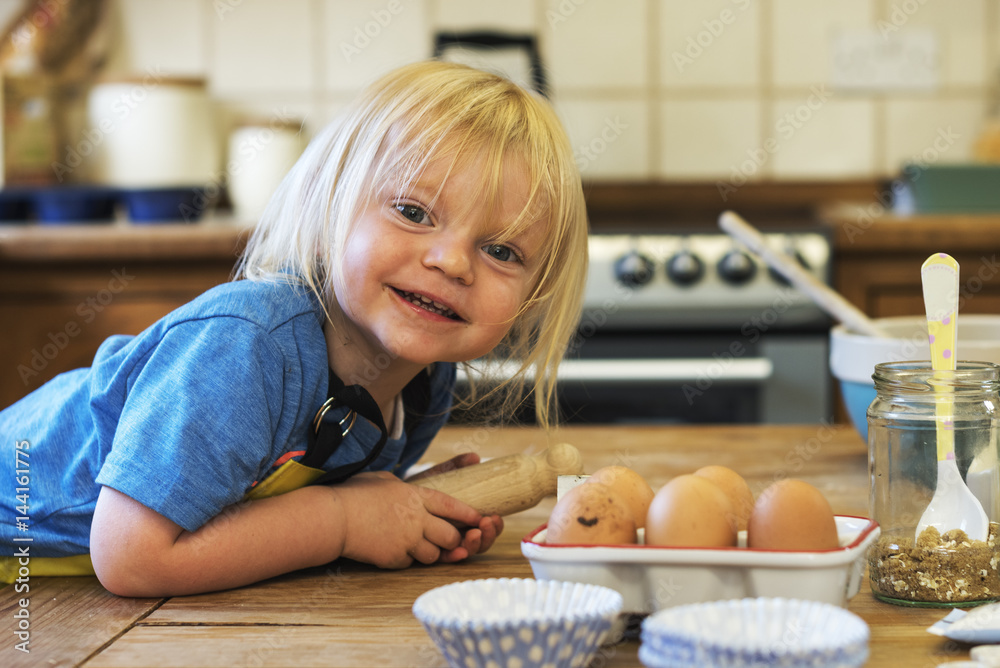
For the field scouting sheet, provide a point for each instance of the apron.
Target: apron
(325, 437)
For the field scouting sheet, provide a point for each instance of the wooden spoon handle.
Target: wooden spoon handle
(508, 484)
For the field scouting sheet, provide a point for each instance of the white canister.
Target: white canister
(153, 132)
(260, 155)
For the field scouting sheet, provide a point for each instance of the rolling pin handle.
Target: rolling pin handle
(564, 459)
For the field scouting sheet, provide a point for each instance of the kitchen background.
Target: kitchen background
(649, 89)
(799, 114)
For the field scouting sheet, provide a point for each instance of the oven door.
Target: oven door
(644, 391)
(693, 378)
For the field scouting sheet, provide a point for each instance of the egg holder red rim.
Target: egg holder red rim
(870, 526)
(831, 575)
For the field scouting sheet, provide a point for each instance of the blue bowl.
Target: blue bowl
(164, 205)
(74, 204)
(853, 356)
(857, 397)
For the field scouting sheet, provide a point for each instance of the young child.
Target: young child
(441, 218)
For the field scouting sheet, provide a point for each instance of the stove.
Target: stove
(698, 280)
(687, 326)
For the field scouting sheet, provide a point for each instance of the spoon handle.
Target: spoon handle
(824, 296)
(939, 277)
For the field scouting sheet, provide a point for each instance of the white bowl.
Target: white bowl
(651, 577)
(752, 633)
(514, 621)
(853, 356)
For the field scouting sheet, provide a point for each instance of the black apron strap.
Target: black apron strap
(416, 401)
(327, 433)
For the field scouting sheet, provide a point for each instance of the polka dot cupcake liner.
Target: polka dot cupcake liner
(754, 633)
(518, 623)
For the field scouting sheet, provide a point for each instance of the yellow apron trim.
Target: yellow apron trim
(45, 566)
(290, 475)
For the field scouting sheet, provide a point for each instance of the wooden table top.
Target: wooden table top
(349, 614)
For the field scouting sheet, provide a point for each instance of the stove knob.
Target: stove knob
(778, 278)
(736, 267)
(685, 268)
(634, 269)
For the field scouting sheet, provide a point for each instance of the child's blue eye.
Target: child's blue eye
(500, 252)
(412, 213)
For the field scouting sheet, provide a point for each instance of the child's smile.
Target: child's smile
(425, 278)
(430, 305)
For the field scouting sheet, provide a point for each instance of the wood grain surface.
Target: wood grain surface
(350, 614)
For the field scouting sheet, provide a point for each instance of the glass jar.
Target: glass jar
(935, 569)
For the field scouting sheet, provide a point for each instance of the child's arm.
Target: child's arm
(373, 517)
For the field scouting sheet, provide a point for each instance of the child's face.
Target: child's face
(424, 280)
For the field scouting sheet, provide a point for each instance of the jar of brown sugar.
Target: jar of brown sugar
(942, 566)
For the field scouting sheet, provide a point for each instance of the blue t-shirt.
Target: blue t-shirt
(187, 416)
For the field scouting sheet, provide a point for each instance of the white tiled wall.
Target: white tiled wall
(648, 89)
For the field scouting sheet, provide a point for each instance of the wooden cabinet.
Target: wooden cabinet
(877, 260)
(64, 290)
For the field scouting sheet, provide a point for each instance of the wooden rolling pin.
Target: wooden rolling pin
(511, 483)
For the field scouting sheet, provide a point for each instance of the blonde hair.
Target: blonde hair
(387, 136)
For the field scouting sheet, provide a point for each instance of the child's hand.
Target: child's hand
(475, 540)
(391, 524)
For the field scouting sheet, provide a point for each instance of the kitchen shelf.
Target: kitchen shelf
(878, 258)
(212, 238)
(66, 288)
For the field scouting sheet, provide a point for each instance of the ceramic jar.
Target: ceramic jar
(260, 155)
(153, 132)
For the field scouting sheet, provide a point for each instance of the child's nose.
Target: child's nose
(452, 257)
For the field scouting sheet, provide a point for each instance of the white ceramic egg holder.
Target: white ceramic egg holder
(652, 578)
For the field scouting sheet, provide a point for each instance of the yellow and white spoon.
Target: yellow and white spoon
(953, 505)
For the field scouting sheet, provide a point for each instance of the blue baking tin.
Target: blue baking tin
(164, 205)
(73, 204)
(15, 205)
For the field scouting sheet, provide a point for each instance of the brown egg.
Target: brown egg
(735, 487)
(792, 515)
(690, 511)
(629, 485)
(591, 514)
